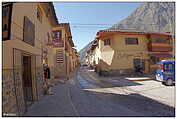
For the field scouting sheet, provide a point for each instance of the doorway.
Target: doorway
(27, 80)
(139, 63)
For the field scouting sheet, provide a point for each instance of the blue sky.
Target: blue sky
(83, 16)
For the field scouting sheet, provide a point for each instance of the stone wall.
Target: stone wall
(9, 103)
(40, 82)
(119, 72)
(19, 90)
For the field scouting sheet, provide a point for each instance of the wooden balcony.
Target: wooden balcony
(160, 47)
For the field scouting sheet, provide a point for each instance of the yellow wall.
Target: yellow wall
(119, 55)
(17, 32)
(60, 68)
(41, 30)
(16, 41)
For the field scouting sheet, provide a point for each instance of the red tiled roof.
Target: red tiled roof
(130, 32)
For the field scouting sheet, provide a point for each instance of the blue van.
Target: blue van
(166, 72)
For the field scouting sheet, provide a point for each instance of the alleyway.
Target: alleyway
(79, 97)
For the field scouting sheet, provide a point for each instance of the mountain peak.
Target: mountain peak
(150, 17)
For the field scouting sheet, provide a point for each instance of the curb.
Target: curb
(144, 79)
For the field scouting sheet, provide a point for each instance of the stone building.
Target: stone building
(27, 33)
(63, 48)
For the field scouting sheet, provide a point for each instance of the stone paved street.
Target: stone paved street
(149, 88)
(84, 96)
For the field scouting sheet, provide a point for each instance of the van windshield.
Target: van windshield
(169, 67)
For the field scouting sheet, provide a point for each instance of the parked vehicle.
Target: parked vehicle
(166, 72)
(84, 65)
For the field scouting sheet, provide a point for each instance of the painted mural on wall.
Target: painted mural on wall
(58, 41)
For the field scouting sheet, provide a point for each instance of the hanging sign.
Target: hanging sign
(58, 42)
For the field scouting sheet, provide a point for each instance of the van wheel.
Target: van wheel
(169, 82)
(163, 83)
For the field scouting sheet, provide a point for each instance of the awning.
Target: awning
(164, 55)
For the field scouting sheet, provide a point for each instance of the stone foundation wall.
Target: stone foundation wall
(120, 72)
(40, 82)
(9, 102)
(12, 91)
(19, 90)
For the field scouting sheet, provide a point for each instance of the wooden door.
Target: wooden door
(27, 80)
(139, 63)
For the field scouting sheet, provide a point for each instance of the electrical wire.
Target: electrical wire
(104, 26)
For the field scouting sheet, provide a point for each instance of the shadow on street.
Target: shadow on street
(137, 103)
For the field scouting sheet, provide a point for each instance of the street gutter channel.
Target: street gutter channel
(69, 94)
(74, 108)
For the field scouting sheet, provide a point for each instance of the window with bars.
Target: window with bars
(107, 41)
(131, 41)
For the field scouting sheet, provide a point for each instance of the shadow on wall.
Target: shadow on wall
(104, 69)
(143, 105)
(118, 63)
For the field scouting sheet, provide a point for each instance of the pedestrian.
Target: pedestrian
(47, 80)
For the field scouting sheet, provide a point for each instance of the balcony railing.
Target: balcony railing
(159, 47)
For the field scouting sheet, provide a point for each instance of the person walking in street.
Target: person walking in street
(47, 80)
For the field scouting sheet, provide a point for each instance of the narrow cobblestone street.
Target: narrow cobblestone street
(83, 96)
(78, 59)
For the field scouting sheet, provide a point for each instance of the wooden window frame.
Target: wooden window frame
(129, 41)
(32, 42)
(163, 41)
(107, 42)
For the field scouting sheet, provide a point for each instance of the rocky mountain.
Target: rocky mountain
(150, 16)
